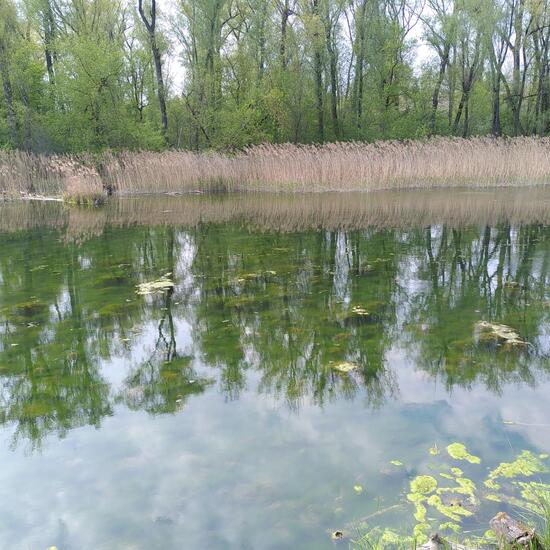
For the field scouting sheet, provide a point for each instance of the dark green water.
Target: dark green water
(210, 416)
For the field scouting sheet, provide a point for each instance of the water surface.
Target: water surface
(211, 416)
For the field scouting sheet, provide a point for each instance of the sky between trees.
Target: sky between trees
(88, 75)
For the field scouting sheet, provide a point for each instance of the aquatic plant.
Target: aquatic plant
(337, 166)
(526, 464)
(425, 492)
(344, 166)
(380, 539)
(344, 367)
(155, 287)
(84, 190)
(494, 333)
(436, 509)
(458, 452)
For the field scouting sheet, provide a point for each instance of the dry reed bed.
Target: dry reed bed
(337, 167)
(23, 173)
(286, 168)
(330, 211)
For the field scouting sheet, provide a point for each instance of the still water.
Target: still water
(210, 415)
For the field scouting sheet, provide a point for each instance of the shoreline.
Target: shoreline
(280, 193)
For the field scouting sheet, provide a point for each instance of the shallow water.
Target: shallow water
(211, 416)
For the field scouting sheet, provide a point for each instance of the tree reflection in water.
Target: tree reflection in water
(257, 311)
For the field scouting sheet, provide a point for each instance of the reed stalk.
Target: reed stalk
(344, 166)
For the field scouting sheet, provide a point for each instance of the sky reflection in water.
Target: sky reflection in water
(209, 417)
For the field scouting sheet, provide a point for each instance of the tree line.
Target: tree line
(86, 75)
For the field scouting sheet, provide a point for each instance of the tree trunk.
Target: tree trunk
(284, 25)
(333, 67)
(459, 112)
(516, 70)
(466, 128)
(160, 83)
(541, 109)
(360, 30)
(150, 25)
(319, 98)
(451, 79)
(8, 96)
(27, 120)
(318, 69)
(48, 40)
(435, 97)
(496, 129)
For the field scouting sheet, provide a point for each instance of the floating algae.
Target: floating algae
(361, 311)
(458, 451)
(500, 335)
(526, 464)
(155, 287)
(423, 485)
(345, 367)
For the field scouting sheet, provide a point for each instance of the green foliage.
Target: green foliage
(81, 76)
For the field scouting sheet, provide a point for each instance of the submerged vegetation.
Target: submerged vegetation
(155, 287)
(346, 345)
(445, 498)
(316, 312)
(442, 162)
(499, 335)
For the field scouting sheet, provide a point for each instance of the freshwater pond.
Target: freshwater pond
(213, 414)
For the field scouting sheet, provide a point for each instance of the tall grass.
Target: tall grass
(84, 190)
(352, 166)
(23, 174)
(536, 511)
(337, 167)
